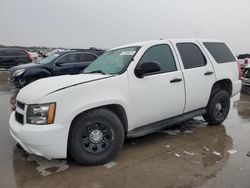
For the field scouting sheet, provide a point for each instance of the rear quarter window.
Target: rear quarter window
(220, 52)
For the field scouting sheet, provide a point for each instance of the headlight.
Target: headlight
(41, 114)
(18, 72)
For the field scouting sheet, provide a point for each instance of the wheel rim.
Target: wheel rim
(221, 108)
(97, 138)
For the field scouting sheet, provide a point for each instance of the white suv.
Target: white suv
(129, 91)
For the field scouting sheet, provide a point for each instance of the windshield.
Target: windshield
(112, 62)
(49, 59)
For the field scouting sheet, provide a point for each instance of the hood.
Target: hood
(23, 66)
(31, 93)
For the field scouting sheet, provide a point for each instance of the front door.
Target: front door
(160, 95)
(66, 64)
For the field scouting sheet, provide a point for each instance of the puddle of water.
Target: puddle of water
(47, 167)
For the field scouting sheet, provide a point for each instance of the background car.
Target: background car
(244, 60)
(11, 57)
(59, 63)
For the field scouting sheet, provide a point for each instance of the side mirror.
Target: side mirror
(146, 68)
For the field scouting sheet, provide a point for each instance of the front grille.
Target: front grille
(20, 105)
(19, 117)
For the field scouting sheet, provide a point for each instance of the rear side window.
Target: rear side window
(220, 52)
(161, 54)
(86, 57)
(69, 58)
(191, 55)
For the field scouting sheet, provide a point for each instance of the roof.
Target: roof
(152, 42)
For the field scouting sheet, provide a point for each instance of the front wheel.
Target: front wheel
(217, 108)
(95, 137)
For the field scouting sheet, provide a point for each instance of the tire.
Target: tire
(218, 107)
(95, 137)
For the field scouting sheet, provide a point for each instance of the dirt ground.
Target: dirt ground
(191, 154)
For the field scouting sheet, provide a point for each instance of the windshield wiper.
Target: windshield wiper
(96, 71)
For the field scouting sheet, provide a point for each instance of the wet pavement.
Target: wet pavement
(191, 154)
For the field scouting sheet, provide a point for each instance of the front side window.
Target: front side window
(191, 55)
(113, 61)
(161, 54)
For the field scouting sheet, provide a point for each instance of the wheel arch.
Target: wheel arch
(224, 84)
(118, 109)
(32, 73)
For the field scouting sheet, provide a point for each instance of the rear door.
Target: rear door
(198, 74)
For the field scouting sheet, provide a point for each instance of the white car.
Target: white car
(129, 91)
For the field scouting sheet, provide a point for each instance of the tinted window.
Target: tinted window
(220, 52)
(12, 53)
(69, 58)
(161, 54)
(191, 55)
(86, 57)
(243, 56)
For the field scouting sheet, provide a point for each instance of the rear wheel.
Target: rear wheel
(217, 108)
(96, 137)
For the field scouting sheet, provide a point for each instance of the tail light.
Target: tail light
(239, 70)
(246, 62)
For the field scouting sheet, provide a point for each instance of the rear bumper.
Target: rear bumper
(49, 141)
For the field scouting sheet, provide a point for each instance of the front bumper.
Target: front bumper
(49, 141)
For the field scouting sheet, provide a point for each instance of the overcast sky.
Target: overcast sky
(111, 23)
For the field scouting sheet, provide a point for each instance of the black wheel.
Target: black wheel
(217, 108)
(95, 137)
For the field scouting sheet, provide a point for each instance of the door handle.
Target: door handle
(208, 73)
(176, 80)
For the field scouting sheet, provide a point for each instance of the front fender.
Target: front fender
(39, 73)
(98, 105)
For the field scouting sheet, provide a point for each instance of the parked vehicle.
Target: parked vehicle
(244, 60)
(246, 81)
(59, 63)
(129, 91)
(10, 57)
